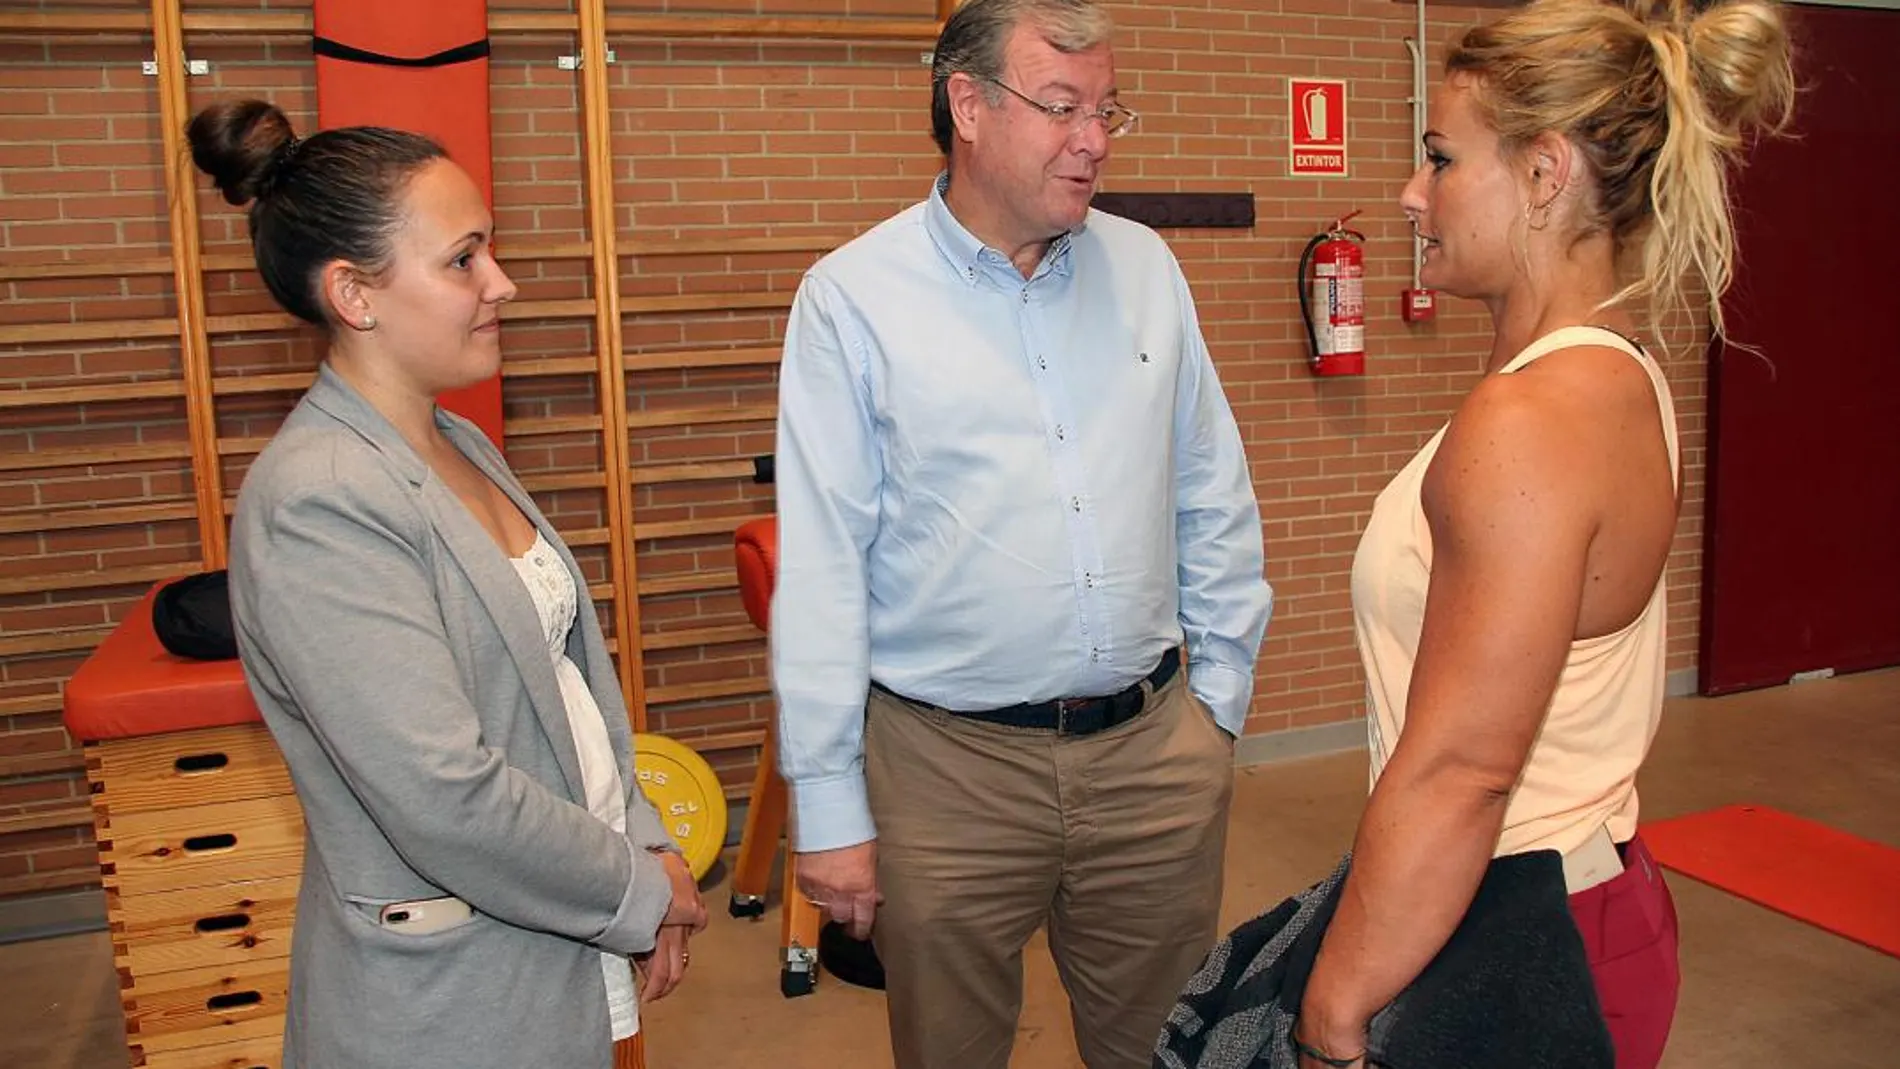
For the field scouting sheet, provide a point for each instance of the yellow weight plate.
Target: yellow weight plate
(682, 786)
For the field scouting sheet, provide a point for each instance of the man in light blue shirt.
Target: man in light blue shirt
(1010, 490)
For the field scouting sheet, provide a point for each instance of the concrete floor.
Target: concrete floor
(1759, 989)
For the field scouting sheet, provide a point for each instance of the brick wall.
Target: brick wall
(712, 141)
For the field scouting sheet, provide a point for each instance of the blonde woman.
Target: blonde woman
(1508, 589)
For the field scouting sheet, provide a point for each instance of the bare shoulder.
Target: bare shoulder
(1539, 444)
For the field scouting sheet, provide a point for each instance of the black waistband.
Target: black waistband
(1070, 716)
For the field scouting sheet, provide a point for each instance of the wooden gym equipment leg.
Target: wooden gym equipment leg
(800, 920)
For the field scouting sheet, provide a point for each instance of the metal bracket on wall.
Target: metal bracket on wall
(1217, 210)
(192, 66)
(573, 63)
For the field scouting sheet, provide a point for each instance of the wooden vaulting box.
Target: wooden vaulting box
(200, 848)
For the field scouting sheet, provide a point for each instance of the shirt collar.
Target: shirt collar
(970, 256)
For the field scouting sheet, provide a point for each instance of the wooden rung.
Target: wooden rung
(564, 480)
(251, 323)
(259, 22)
(99, 330)
(298, 23)
(241, 447)
(76, 22)
(708, 414)
(601, 591)
(549, 366)
(733, 246)
(656, 474)
(704, 27)
(533, 426)
(703, 302)
(80, 519)
(52, 641)
(717, 688)
(230, 258)
(42, 764)
(695, 358)
(105, 454)
(731, 740)
(39, 396)
(720, 27)
(689, 528)
(699, 636)
(531, 22)
(511, 250)
(580, 308)
(75, 816)
(88, 268)
(142, 575)
(689, 583)
(286, 382)
(32, 704)
(587, 536)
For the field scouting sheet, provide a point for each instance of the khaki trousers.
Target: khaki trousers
(985, 833)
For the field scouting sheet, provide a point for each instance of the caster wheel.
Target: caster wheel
(793, 983)
(746, 906)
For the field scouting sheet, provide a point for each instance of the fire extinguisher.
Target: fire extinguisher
(1336, 294)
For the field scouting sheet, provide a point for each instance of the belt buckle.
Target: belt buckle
(1065, 706)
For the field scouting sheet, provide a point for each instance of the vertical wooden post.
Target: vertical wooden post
(597, 127)
(168, 44)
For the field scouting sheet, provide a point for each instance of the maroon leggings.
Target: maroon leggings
(1629, 930)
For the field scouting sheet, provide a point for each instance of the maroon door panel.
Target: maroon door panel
(1802, 563)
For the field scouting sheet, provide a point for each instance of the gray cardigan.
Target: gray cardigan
(401, 667)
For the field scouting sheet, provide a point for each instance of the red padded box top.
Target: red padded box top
(755, 547)
(131, 686)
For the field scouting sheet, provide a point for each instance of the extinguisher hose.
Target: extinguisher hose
(1306, 294)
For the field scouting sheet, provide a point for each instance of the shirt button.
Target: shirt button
(1088, 580)
(1060, 436)
(1042, 362)
(1075, 503)
(1095, 655)
(1025, 296)
(971, 271)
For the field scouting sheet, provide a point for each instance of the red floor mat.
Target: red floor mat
(1835, 881)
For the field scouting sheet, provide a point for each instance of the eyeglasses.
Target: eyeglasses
(1116, 120)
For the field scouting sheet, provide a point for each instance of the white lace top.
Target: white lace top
(557, 598)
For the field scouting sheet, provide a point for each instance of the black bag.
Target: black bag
(193, 617)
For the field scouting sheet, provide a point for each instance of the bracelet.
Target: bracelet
(1322, 1057)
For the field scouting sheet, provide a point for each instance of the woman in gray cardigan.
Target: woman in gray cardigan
(479, 865)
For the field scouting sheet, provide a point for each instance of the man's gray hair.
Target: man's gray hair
(975, 37)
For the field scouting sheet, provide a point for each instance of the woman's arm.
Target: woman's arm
(1512, 507)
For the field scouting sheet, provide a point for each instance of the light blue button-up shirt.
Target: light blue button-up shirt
(994, 490)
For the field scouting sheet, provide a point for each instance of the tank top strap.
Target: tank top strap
(1571, 337)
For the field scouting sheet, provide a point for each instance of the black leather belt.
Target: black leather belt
(1070, 716)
